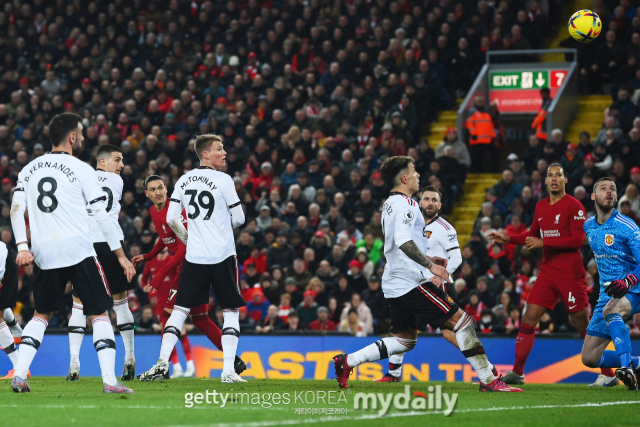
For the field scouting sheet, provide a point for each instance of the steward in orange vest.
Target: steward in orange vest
(540, 122)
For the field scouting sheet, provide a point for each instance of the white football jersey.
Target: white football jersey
(111, 185)
(442, 239)
(3, 259)
(57, 188)
(207, 195)
(402, 221)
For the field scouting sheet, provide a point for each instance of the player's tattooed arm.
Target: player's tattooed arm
(411, 250)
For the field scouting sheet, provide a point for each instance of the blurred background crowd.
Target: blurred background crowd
(309, 97)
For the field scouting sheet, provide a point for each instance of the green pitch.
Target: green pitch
(54, 402)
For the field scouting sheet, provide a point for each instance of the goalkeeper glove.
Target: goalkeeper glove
(619, 288)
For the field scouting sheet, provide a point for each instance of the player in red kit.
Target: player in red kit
(156, 191)
(557, 228)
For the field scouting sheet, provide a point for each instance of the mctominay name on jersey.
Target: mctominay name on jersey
(205, 180)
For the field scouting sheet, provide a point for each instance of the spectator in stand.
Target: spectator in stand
(307, 309)
(272, 322)
(631, 196)
(353, 325)
(322, 323)
(293, 322)
(460, 150)
(258, 306)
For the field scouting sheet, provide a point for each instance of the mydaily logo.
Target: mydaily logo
(382, 402)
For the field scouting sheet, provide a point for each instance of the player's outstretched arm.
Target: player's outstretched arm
(18, 207)
(499, 236)
(174, 219)
(159, 246)
(411, 250)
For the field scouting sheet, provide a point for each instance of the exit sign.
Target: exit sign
(519, 91)
(527, 79)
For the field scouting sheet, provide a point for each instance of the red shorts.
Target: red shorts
(548, 289)
(167, 296)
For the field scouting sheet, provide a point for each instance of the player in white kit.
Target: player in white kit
(413, 299)
(107, 175)
(10, 331)
(442, 244)
(213, 211)
(56, 188)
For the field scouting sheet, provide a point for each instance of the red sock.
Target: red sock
(524, 344)
(204, 323)
(164, 317)
(174, 357)
(186, 347)
(607, 372)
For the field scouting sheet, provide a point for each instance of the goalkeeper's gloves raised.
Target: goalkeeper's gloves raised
(619, 288)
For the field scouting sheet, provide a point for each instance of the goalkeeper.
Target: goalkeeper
(615, 241)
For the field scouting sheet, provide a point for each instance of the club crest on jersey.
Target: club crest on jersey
(557, 219)
(449, 299)
(608, 239)
(426, 233)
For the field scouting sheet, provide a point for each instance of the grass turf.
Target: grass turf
(54, 402)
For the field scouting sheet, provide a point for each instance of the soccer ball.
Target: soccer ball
(584, 26)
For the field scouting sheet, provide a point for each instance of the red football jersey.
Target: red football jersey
(560, 226)
(167, 236)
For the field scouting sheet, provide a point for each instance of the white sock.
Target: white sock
(105, 344)
(10, 319)
(395, 364)
(380, 349)
(190, 365)
(31, 338)
(177, 366)
(472, 349)
(125, 325)
(172, 332)
(77, 329)
(230, 337)
(6, 342)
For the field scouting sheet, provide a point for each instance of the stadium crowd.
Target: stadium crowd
(309, 97)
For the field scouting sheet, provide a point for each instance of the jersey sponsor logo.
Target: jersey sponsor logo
(549, 233)
(580, 215)
(557, 219)
(168, 241)
(183, 219)
(608, 239)
(388, 208)
(452, 237)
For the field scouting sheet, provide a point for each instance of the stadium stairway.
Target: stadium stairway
(589, 117)
(466, 209)
(446, 120)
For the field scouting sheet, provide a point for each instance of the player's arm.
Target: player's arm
(404, 222)
(619, 288)
(159, 246)
(449, 243)
(97, 204)
(233, 202)
(174, 261)
(18, 208)
(174, 217)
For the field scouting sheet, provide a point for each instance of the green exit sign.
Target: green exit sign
(519, 79)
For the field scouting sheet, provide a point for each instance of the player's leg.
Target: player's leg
(614, 313)
(194, 286)
(119, 287)
(225, 282)
(524, 341)
(90, 283)
(167, 293)
(77, 329)
(575, 298)
(10, 331)
(186, 349)
(48, 292)
(12, 323)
